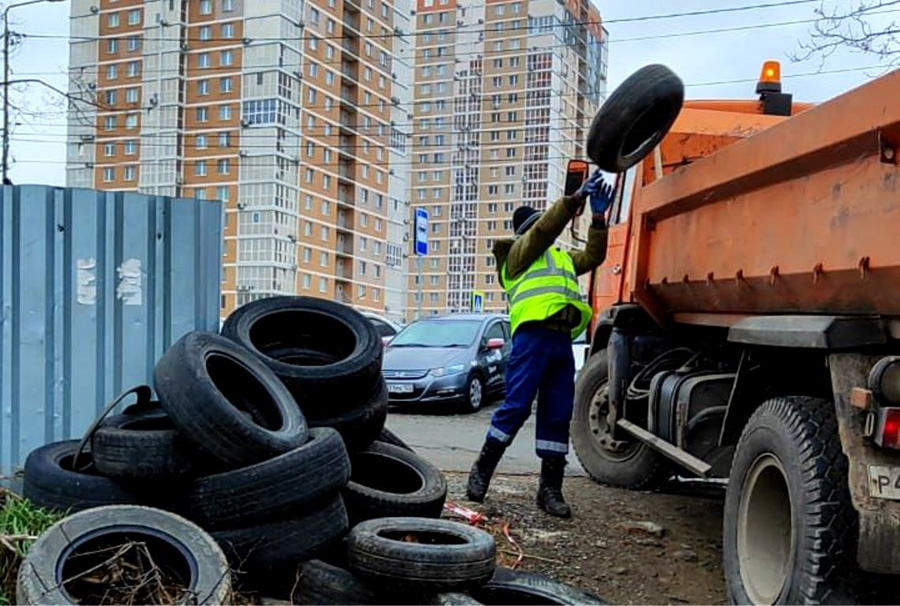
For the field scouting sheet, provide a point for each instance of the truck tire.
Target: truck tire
(341, 350)
(635, 118)
(387, 481)
(389, 437)
(181, 550)
(284, 486)
(421, 555)
(140, 444)
(226, 402)
(789, 533)
(629, 464)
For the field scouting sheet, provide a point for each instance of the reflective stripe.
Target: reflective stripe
(548, 272)
(548, 446)
(547, 290)
(499, 435)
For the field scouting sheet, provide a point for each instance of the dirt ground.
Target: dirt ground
(601, 549)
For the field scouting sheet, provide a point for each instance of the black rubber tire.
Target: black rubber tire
(445, 556)
(50, 482)
(270, 553)
(140, 444)
(635, 118)
(801, 435)
(358, 426)
(515, 587)
(322, 583)
(273, 328)
(387, 480)
(389, 437)
(638, 467)
(226, 402)
(451, 599)
(285, 486)
(42, 573)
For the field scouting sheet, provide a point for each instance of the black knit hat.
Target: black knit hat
(523, 218)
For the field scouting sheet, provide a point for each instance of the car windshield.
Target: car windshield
(430, 333)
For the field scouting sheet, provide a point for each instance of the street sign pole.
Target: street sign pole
(421, 240)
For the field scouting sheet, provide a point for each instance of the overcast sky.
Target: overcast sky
(699, 59)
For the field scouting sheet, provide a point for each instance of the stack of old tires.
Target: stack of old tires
(253, 435)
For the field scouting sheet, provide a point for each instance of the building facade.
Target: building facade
(504, 94)
(293, 112)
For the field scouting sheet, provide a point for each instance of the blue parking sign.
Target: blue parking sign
(421, 226)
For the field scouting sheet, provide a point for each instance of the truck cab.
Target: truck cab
(747, 327)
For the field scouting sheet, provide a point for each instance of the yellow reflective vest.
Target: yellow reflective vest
(545, 289)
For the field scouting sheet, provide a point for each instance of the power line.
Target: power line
(361, 36)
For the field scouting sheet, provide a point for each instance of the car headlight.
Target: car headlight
(884, 380)
(448, 370)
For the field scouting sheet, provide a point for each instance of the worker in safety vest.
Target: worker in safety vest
(546, 313)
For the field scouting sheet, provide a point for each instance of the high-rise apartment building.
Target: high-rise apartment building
(293, 112)
(505, 91)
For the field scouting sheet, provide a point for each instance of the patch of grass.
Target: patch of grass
(20, 524)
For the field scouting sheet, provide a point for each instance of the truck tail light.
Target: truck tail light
(887, 428)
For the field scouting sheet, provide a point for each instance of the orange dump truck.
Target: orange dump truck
(747, 326)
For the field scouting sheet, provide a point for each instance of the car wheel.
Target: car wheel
(475, 393)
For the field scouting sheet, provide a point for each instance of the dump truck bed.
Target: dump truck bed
(801, 217)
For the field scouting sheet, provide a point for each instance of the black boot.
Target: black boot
(483, 469)
(550, 497)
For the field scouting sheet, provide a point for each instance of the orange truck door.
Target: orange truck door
(607, 279)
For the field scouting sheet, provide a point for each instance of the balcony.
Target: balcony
(342, 296)
(351, 20)
(345, 220)
(344, 246)
(349, 95)
(346, 194)
(350, 69)
(347, 170)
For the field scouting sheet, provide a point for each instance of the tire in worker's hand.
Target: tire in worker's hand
(635, 118)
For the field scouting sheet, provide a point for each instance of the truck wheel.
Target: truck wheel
(635, 118)
(790, 529)
(625, 463)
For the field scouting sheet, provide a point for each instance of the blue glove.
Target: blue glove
(599, 192)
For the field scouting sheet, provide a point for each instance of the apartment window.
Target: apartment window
(134, 69)
(226, 58)
(200, 168)
(309, 175)
(324, 233)
(311, 95)
(329, 78)
(203, 60)
(202, 114)
(323, 284)
(227, 6)
(499, 9)
(307, 229)
(109, 123)
(202, 87)
(224, 139)
(113, 20)
(492, 207)
(205, 33)
(509, 188)
(312, 43)
(132, 95)
(131, 121)
(314, 16)
(110, 97)
(109, 150)
(224, 166)
(130, 173)
(306, 281)
(510, 171)
(307, 255)
(131, 147)
(134, 43)
(492, 190)
(112, 72)
(498, 63)
(326, 181)
(205, 7)
(514, 62)
(513, 80)
(200, 142)
(362, 268)
(226, 85)
(364, 220)
(363, 244)
(223, 193)
(109, 174)
(224, 112)
(330, 26)
(112, 46)
(323, 259)
(378, 225)
(511, 152)
(326, 208)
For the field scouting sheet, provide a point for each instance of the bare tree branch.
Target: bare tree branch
(865, 28)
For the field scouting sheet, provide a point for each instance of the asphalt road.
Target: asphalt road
(452, 441)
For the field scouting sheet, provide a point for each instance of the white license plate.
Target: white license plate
(399, 388)
(884, 482)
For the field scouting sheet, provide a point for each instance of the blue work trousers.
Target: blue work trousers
(541, 363)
